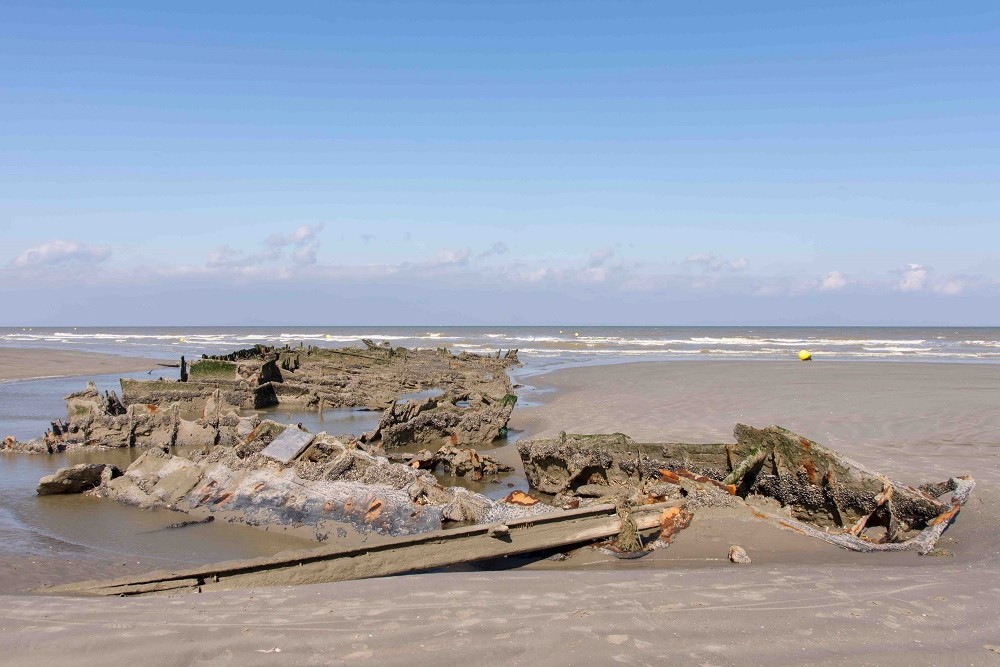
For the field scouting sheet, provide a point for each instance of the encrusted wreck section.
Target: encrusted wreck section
(325, 487)
(471, 407)
(103, 421)
(211, 453)
(459, 419)
(818, 491)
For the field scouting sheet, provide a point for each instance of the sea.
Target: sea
(543, 349)
(79, 529)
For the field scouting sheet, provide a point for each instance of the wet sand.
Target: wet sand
(800, 602)
(23, 364)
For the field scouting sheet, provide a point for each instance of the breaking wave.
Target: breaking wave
(546, 345)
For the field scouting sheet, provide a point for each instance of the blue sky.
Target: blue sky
(500, 163)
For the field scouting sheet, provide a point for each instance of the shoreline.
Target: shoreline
(531, 375)
(21, 363)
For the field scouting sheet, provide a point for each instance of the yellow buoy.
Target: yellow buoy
(805, 355)
(576, 334)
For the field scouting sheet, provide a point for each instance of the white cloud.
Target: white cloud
(303, 242)
(913, 279)
(60, 252)
(600, 257)
(225, 257)
(603, 266)
(700, 258)
(498, 248)
(709, 262)
(534, 275)
(834, 280)
(455, 257)
(301, 235)
(920, 278)
(302, 245)
(594, 274)
(950, 286)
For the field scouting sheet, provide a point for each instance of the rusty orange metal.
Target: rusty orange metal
(374, 509)
(520, 498)
(669, 476)
(672, 521)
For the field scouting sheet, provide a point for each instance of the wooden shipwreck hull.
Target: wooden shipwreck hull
(653, 485)
(821, 493)
(391, 556)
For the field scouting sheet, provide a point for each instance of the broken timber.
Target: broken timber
(923, 543)
(425, 551)
(821, 493)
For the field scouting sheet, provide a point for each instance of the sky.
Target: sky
(502, 163)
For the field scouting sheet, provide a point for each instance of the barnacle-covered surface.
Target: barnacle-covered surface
(819, 491)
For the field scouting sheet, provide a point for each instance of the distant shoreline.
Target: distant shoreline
(36, 364)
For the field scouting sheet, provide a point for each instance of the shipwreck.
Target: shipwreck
(210, 453)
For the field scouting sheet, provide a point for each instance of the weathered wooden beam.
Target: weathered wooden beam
(392, 556)
(923, 543)
(880, 500)
(745, 466)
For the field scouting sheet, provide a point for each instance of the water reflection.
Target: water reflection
(335, 421)
(75, 525)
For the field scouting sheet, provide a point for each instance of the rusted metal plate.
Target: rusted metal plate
(287, 446)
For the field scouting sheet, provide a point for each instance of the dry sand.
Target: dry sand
(800, 602)
(22, 364)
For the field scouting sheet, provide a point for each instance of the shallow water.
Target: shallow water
(27, 407)
(335, 421)
(419, 395)
(77, 526)
(83, 526)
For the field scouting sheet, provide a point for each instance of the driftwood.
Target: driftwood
(430, 550)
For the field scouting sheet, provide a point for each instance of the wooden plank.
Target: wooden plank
(431, 550)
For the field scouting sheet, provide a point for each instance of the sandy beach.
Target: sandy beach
(23, 364)
(800, 602)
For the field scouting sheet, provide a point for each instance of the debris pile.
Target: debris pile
(454, 461)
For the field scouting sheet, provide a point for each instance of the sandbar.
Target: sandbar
(25, 364)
